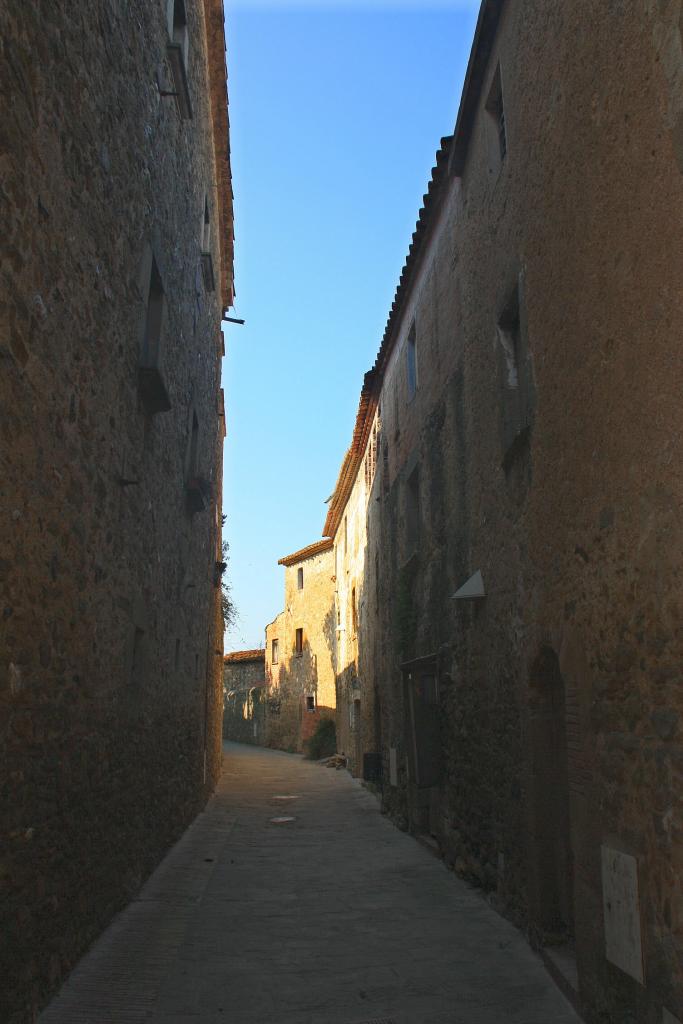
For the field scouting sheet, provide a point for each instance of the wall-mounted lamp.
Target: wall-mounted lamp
(472, 590)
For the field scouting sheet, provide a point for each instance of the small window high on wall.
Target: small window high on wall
(207, 258)
(177, 52)
(411, 363)
(300, 579)
(299, 643)
(497, 129)
(150, 378)
(275, 652)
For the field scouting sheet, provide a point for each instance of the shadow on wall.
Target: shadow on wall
(244, 715)
(292, 711)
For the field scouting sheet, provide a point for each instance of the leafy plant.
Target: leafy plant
(323, 742)
(227, 604)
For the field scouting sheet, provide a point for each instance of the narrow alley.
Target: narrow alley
(329, 916)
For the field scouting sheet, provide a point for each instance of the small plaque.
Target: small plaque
(621, 906)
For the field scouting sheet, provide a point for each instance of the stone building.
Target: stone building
(244, 685)
(355, 593)
(513, 485)
(299, 648)
(116, 254)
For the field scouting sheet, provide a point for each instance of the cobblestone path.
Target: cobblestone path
(334, 917)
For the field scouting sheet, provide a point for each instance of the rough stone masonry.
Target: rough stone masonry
(115, 269)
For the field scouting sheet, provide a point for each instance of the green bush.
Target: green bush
(323, 742)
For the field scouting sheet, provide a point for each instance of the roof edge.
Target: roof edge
(214, 21)
(309, 551)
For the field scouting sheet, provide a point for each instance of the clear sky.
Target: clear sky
(336, 112)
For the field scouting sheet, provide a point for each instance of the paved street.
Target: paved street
(335, 917)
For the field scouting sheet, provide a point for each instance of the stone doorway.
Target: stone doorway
(552, 861)
(423, 742)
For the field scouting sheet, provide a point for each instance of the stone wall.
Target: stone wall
(536, 731)
(356, 597)
(111, 633)
(301, 685)
(244, 708)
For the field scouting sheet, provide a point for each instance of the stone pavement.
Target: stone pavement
(335, 917)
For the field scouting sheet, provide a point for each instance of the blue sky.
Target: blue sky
(336, 111)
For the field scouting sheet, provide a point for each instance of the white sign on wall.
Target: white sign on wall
(621, 906)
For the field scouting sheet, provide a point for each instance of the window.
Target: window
(411, 363)
(299, 643)
(310, 702)
(518, 397)
(197, 489)
(346, 536)
(496, 123)
(206, 227)
(150, 379)
(300, 579)
(207, 259)
(413, 509)
(275, 652)
(193, 448)
(177, 52)
(354, 612)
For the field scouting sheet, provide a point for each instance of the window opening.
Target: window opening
(299, 642)
(411, 363)
(496, 112)
(300, 579)
(177, 51)
(275, 652)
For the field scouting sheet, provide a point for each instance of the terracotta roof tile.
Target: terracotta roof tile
(258, 655)
(308, 552)
(218, 90)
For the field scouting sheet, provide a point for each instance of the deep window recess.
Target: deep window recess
(275, 648)
(310, 702)
(518, 397)
(354, 612)
(299, 643)
(150, 378)
(299, 579)
(207, 259)
(197, 489)
(413, 510)
(177, 52)
(411, 363)
(496, 120)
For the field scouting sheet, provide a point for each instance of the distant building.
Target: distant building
(299, 645)
(117, 266)
(244, 682)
